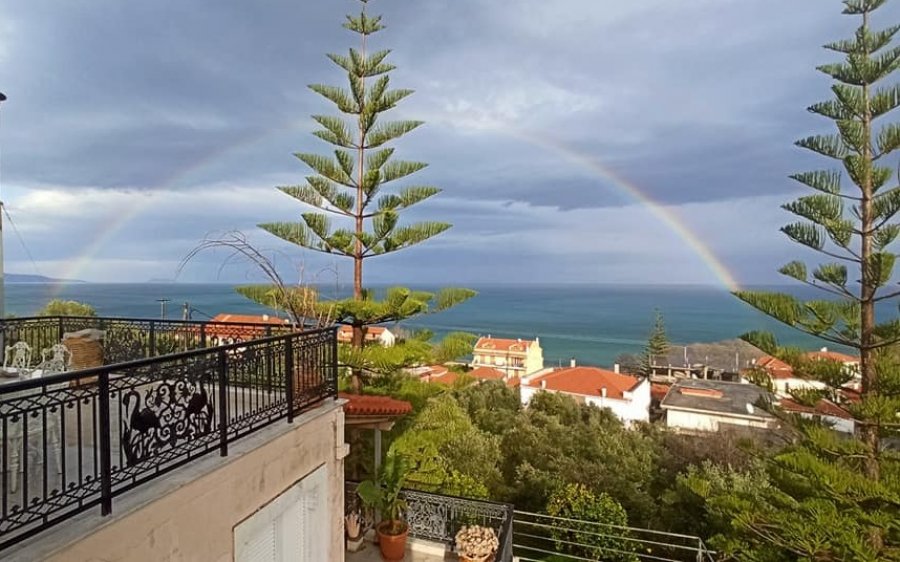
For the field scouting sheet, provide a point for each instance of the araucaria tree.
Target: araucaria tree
(356, 207)
(657, 347)
(827, 482)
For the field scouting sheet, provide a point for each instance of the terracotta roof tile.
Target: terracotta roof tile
(370, 405)
(489, 344)
(823, 407)
(588, 381)
(481, 373)
(833, 356)
(658, 391)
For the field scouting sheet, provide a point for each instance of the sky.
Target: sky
(135, 130)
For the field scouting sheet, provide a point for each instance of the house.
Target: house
(516, 357)
(443, 375)
(627, 396)
(226, 328)
(374, 334)
(825, 410)
(706, 405)
(784, 380)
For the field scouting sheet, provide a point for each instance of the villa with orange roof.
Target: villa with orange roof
(784, 380)
(512, 357)
(627, 396)
(228, 328)
(374, 334)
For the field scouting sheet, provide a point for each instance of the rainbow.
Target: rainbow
(666, 215)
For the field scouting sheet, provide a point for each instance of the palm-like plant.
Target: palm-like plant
(384, 493)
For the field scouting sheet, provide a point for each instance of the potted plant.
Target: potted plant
(383, 494)
(476, 544)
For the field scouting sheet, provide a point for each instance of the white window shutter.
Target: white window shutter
(259, 547)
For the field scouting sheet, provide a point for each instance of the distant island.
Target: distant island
(25, 278)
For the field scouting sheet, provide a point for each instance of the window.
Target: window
(290, 528)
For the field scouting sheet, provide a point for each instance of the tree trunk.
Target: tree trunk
(869, 285)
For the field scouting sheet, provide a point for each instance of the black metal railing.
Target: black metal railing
(437, 518)
(129, 339)
(72, 441)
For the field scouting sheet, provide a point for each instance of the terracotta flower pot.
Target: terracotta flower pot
(393, 547)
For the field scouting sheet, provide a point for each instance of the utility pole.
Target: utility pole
(162, 307)
(2, 279)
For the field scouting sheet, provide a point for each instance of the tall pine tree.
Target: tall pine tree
(356, 207)
(829, 490)
(657, 347)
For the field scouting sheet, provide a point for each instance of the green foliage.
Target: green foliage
(59, 307)
(576, 501)
(453, 347)
(449, 454)
(383, 493)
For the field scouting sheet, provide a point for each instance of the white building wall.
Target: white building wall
(635, 408)
(783, 386)
(700, 421)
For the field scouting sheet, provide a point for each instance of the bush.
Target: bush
(593, 541)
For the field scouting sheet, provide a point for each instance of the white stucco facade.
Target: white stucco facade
(710, 421)
(634, 405)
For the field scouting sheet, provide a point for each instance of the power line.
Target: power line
(21, 241)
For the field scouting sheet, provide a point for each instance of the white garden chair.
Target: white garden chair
(55, 359)
(17, 357)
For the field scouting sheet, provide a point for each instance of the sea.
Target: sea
(594, 324)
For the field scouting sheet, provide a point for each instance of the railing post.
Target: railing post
(289, 376)
(203, 335)
(152, 339)
(105, 448)
(334, 362)
(222, 370)
(59, 329)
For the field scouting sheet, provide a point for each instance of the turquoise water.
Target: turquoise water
(594, 324)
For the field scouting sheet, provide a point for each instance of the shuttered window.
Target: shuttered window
(294, 527)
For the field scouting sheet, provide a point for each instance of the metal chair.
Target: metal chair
(17, 357)
(55, 359)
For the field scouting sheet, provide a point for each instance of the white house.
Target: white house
(374, 334)
(825, 410)
(708, 405)
(628, 397)
(784, 380)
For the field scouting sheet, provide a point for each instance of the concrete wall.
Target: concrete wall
(195, 521)
(696, 421)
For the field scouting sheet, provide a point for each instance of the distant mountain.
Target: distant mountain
(25, 278)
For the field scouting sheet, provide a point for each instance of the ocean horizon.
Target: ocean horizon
(592, 323)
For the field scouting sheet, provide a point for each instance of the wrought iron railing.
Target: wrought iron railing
(537, 536)
(72, 441)
(129, 339)
(437, 518)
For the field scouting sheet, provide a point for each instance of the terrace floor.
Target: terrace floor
(416, 551)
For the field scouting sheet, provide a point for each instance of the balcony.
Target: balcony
(434, 520)
(72, 442)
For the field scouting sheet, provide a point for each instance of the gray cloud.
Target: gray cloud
(696, 103)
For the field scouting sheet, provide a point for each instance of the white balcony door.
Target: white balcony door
(291, 528)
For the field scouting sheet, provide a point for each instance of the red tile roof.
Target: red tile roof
(775, 367)
(369, 405)
(218, 326)
(658, 391)
(481, 373)
(833, 356)
(822, 408)
(370, 331)
(588, 381)
(499, 344)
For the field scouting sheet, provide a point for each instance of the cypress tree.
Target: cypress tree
(849, 218)
(356, 206)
